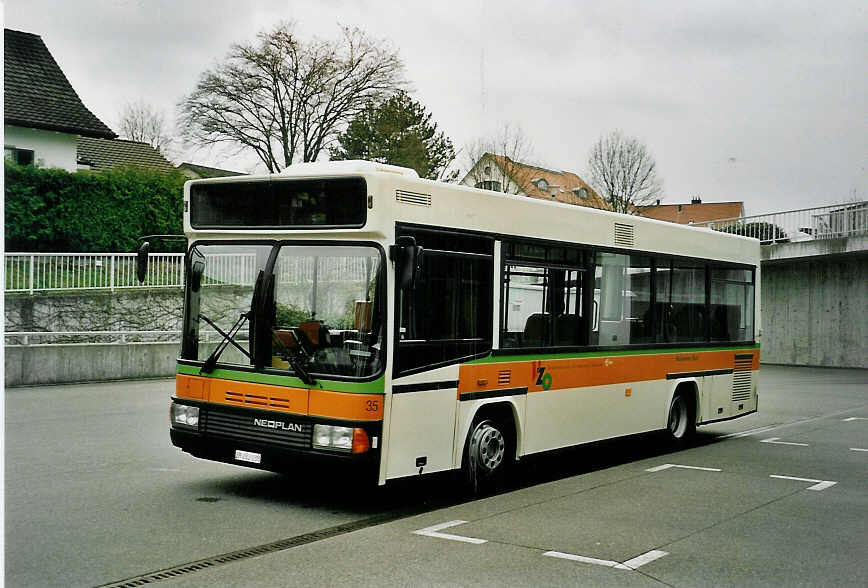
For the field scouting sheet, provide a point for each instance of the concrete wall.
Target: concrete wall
(30, 365)
(96, 310)
(50, 148)
(815, 311)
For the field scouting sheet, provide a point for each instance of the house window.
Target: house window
(489, 185)
(487, 170)
(19, 156)
(581, 193)
(542, 184)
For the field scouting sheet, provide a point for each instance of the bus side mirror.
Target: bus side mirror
(197, 269)
(142, 261)
(408, 261)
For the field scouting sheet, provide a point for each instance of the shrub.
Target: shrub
(758, 230)
(53, 210)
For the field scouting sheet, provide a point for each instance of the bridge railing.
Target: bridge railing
(822, 222)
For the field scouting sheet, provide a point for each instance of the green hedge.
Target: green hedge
(53, 210)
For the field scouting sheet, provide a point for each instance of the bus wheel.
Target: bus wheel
(680, 426)
(488, 456)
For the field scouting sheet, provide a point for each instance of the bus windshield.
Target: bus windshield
(323, 309)
(327, 306)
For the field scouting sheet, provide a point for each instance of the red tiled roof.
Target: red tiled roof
(561, 186)
(694, 212)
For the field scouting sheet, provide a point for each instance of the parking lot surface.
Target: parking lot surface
(775, 499)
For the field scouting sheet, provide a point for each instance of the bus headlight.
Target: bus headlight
(344, 439)
(185, 415)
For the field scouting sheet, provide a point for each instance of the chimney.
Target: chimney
(658, 202)
(696, 200)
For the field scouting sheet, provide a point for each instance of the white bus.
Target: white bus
(407, 326)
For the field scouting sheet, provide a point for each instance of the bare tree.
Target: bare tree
(139, 121)
(622, 170)
(285, 98)
(497, 162)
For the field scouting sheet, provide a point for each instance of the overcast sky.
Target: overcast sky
(763, 102)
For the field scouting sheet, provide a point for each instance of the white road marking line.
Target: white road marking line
(433, 532)
(581, 558)
(818, 484)
(631, 564)
(641, 560)
(666, 466)
(792, 423)
(857, 449)
(776, 442)
(751, 432)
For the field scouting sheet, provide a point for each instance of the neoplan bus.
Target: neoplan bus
(352, 312)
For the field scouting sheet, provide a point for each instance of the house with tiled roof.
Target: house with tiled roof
(502, 174)
(42, 114)
(103, 154)
(695, 212)
(195, 171)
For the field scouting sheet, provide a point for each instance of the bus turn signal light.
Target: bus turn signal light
(361, 443)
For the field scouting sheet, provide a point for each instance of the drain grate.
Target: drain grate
(281, 545)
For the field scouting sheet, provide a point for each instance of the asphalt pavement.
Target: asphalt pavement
(96, 495)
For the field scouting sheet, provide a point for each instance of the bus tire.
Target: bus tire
(488, 456)
(680, 422)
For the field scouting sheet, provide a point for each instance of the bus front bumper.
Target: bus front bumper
(268, 440)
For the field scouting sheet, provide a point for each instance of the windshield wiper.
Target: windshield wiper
(297, 358)
(228, 338)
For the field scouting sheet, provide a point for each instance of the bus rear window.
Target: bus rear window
(335, 202)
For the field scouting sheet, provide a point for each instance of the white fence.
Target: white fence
(32, 272)
(823, 222)
(42, 272)
(38, 272)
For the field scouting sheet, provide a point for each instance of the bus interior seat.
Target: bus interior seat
(536, 329)
(567, 329)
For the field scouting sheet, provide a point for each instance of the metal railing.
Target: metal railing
(31, 272)
(53, 337)
(822, 222)
(42, 272)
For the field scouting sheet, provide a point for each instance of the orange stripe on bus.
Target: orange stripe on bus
(324, 403)
(556, 374)
(343, 405)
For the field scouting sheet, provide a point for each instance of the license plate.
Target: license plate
(248, 456)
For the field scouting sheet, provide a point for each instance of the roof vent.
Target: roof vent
(413, 198)
(624, 235)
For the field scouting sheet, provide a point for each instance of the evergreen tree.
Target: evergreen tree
(398, 131)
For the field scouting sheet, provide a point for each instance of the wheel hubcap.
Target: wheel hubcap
(487, 447)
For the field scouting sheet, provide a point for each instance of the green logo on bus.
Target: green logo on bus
(543, 379)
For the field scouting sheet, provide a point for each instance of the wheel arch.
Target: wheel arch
(501, 410)
(688, 387)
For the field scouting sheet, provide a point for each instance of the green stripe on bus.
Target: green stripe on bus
(575, 355)
(375, 387)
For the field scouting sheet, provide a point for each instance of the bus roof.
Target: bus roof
(401, 196)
